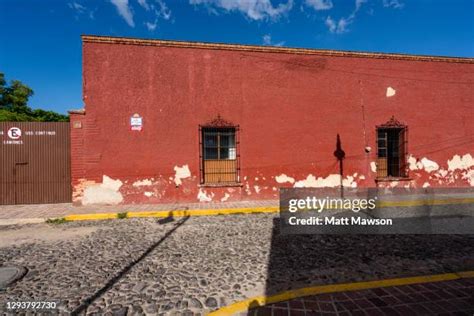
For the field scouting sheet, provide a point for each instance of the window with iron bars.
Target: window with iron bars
(391, 150)
(219, 155)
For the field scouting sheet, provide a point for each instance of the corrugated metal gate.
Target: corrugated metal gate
(35, 162)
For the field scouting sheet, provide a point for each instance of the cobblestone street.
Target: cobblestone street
(195, 265)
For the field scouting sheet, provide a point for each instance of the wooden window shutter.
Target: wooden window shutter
(381, 153)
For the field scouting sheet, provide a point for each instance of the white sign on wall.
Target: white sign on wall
(14, 133)
(136, 122)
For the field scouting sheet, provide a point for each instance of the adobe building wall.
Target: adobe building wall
(290, 107)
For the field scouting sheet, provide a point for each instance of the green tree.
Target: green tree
(14, 104)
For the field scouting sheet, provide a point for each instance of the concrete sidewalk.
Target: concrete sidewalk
(393, 204)
(35, 213)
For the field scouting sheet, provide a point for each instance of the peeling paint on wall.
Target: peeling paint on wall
(423, 164)
(105, 193)
(459, 167)
(442, 173)
(390, 92)
(204, 197)
(148, 194)
(460, 163)
(331, 181)
(284, 178)
(79, 188)
(429, 165)
(349, 182)
(226, 197)
(426, 185)
(412, 163)
(247, 189)
(469, 176)
(181, 173)
(373, 166)
(257, 189)
(145, 182)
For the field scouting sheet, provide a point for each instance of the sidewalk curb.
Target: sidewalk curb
(245, 210)
(177, 213)
(262, 300)
(20, 221)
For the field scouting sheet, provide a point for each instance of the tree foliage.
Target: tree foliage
(14, 104)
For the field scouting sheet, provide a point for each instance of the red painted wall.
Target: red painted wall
(289, 107)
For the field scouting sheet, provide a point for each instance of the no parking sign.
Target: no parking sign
(14, 133)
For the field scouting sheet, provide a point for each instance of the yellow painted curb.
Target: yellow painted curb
(248, 210)
(262, 300)
(87, 217)
(425, 202)
(206, 212)
(466, 274)
(177, 213)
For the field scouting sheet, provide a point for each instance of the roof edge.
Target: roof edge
(270, 49)
(79, 111)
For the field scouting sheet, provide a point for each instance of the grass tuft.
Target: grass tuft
(59, 220)
(122, 215)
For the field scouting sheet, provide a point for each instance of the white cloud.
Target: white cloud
(144, 4)
(80, 10)
(77, 6)
(359, 3)
(151, 26)
(330, 24)
(160, 10)
(163, 11)
(396, 4)
(319, 4)
(267, 40)
(341, 26)
(253, 9)
(124, 11)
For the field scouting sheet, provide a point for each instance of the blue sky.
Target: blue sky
(40, 39)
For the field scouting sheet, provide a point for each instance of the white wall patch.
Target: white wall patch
(373, 166)
(226, 197)
(412, 163)
(181, 173)
(204, 197)
(460, 163)
(311, 181)
(390, 92)
(105, 193)
(469, 176)
(284, 178)
(429, 165)
(144, 182)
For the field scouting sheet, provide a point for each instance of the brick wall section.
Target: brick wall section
(290, 105)
(77, 119)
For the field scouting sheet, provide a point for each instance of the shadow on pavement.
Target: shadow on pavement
(302, 260)
(87, 302)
